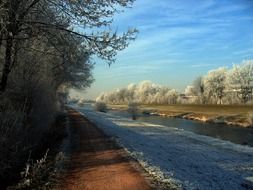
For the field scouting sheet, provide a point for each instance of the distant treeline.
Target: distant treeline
(219, 86)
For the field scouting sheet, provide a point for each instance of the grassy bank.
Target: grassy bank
(229, 114)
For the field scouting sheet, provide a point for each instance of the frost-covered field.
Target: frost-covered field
(191, 160)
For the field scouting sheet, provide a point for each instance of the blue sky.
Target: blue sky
(178, 40)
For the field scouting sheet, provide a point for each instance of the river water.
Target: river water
(233, 134)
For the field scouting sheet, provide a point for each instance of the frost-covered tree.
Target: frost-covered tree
(172, 96)
(240, 79)
(40, 20)
(215, 84)
(145, 92)
(191, 95)
(45, 49)
(190, 90)
(219, 86)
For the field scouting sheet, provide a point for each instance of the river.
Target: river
(233, 134)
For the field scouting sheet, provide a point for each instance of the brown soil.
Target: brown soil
(97, 163)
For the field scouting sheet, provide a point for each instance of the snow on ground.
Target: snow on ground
(193, 161)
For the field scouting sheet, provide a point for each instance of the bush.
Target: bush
(25, 129)
(41, 174)
(13, 145)
(100, 106)
(133, 109)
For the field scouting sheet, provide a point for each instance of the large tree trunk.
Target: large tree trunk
(11, 30)
(1, 39)
(1, 25)
(7, 64)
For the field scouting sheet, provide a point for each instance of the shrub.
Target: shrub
(41, 174)
(133, 109)
(12, 145)
(25, 130)
(100, 106)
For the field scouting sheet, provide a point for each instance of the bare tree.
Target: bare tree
(199, 87)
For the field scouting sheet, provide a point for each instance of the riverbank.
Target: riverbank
(236, 115)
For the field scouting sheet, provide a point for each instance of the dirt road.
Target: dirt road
(97, 163)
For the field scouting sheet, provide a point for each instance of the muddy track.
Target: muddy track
(97, 163)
